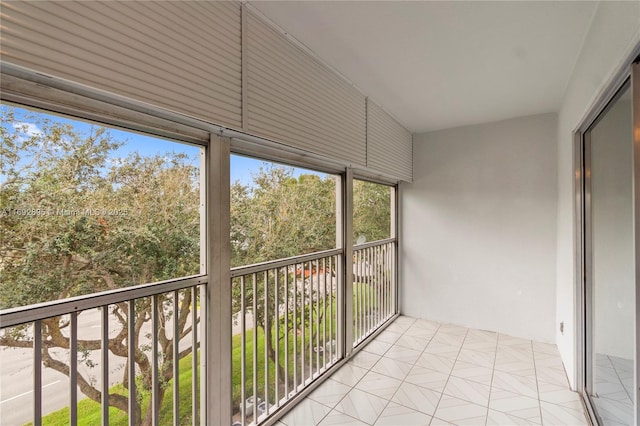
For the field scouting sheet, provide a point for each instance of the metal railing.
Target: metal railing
(286, 330)
(139, 356)
(374, 286)
(287, 325)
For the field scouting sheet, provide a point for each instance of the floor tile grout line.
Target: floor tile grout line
(370, 370)
(405, 377)
(447, 382)
(346, 414)
(493, 371)
(535, 370)
(619, 378)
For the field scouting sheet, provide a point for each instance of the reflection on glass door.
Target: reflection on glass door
(610, 263)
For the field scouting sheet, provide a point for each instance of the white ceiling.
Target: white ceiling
(436, 65)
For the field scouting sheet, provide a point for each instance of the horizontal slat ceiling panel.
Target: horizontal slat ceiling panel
(294, 99)
(389, 144)
(183, 56)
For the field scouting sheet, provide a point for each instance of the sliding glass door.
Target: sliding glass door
(609, 262)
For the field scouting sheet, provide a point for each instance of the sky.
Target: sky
(241, 167)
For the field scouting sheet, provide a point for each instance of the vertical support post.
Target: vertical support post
(395, 227)
(635, 106)
(345, 319)
(216, 405)
(199, 360)
(579, 250)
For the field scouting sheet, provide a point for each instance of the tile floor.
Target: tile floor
(419, 372)
(613, 388)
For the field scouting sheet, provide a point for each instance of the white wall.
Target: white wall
(614, 32)
(479, 227)
(612, 233)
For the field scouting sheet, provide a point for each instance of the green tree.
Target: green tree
(371, 210)
(279, 216)
(76, 219)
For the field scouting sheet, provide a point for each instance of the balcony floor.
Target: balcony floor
(419, 372)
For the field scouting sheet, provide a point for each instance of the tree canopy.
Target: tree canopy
(76, 218)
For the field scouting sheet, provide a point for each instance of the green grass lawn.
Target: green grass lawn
(89, 411)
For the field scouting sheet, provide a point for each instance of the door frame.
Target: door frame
(582, 222)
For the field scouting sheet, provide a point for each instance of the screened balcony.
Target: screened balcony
(300, 213)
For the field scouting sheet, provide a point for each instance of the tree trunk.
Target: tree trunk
(268, 339)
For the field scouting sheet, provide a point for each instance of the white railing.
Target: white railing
(286, 330)
(87, 342)
(374, 287)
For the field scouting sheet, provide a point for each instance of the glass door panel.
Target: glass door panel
(610, 263)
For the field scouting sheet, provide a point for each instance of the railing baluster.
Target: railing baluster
(155, 388)
(105, 364)
(392, 280)
(332, 300)
(358, 289)
(176, 354)
(303, 361)
(243, 351)
(385, 275)
(37, 373)
(310, 285)
(286, 332)
(276, 312)
(315, 310)
(361, 295)
(372, 289)
(267, 333)
(324, 312)
(255, 347)
(73, 370)
(295, 325)
(362, 285)
(131, 364)
(354, 302)
(380, 268)
(386, 281)
(376, 305)
(365, 293)
(194, 356)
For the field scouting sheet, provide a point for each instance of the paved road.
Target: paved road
(16, 369)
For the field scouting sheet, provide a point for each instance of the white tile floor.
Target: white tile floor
(419, 372)
(613, 390)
